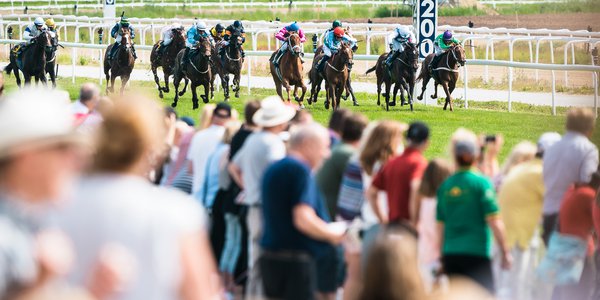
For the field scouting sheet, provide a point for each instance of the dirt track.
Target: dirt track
(572, 21)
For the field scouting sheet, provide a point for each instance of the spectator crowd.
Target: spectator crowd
(118, 198)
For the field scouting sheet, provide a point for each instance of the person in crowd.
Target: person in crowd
(117, 33)
(282, 36)
(184, 132)
(391, 271)
(442, 43)
(205, 116)
(575, 220)
(489, 163)
(330, 266)
(302, 117)
(89, 96)
(295, 216)
(205, 142)
(522, 152)
(467, 214)
(332, 43)
(247, 168)
(437, 171)
(167, 36)
(398, 39)
(336, 124)
(400, 178)
(162, 229)
(561, 171)
(40, 157)
(520, 197)
(90, 124)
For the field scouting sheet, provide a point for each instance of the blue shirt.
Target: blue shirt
(285, 184)
(193, 35)
(334, 44)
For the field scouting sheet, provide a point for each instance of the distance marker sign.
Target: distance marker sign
(426, 21)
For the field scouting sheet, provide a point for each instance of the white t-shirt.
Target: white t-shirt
(202, 146)
(79, 108)
(259, 151)
(147, 220)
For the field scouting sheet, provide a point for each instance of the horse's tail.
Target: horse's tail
(309, 77)
(421, 74)
(9, 68)
(371, 69)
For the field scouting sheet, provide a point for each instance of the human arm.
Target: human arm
(497, 227)
(589, 165)
(114, 30)
(132, 32)
(236, 174)
(308, 222)
(191, 36)
(200, 279)
(281, 35)
(371, 194)
(302, 36)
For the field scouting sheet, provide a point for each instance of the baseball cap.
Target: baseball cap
(222, 110)
(466, 147)
(418, 132)
(546, 140)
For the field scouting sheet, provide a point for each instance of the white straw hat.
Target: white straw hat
(273, 112)
(35, 117)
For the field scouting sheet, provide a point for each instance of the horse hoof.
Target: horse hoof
(433, 97)
(355, 104)
(237, 95)
(181, 93)
(204, 99)
(226, 99)
(393, 103)
(302, 106)
(160, 95)
(166, 90)
(419, 98)
(345, 98)
(174, 104)
(195, 105)
(326, 104)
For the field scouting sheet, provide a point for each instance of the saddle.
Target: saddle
(18, 51)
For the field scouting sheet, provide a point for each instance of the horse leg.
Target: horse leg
(166, 87)
(435, 89)
(318, 88)
(112, 82)
(451, 87)
(236, 83)
(328, 95)
(176, 82)
(27, 78)
(225, 85)
(402, 100)
(279, 90)
(17, 76)
(301, 101)
(206, 91)
(212, 85)
(124, 80)
(160, 92)
(185, 85)
(338, 94)
(396, 88)
(388, 87)
(193, 87)
(350, 90)
(43, 79)
(425, 82)
(53, 77)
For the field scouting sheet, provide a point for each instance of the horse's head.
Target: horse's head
(294, 43)
(346, 53)
(178, 34)
(458, 53)
(412, 55)
(44, 40)
(126, 37)
(204, 46)
(237, 39)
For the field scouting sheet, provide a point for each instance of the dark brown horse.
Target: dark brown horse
(121, 64)
(198, 71)
(402, 76)
(445, 73)
(167, 59)
(231, 64)
(51, 57)
(336, 75)
(290, 70)
(33, 60)
(213, 64)
(349, 90)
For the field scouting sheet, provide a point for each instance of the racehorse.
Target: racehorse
(167, 59)
(402, 75)
(121, 63)
(51, 58)
(33, 59)
(231, 64)
(445, 72)
(336, 73)
(198, 71)
(290, 69)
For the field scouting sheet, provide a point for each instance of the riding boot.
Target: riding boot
(277, 57)
(186, 57)
(243, 53)
(113, 50)
(133, 50)
(321, 64)
(434, 62)
(390, 59)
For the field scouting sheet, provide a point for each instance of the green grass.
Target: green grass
(526, 122)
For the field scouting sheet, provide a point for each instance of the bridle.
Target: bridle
(296, 49)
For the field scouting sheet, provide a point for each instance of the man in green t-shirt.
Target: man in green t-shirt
(467, 215)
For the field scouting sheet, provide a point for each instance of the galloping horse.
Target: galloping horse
(198, 71)
(51, 58)
(232, 64)
(336, 75)
(445, 73)
(402, 75)
(290, 69)
(121, 64)
(167, 59)
(33, 60)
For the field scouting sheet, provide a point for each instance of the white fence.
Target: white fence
(595, 70)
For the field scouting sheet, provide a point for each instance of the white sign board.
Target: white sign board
(426, 22)
(110, 9)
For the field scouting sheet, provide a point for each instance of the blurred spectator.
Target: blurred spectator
(247, 167)
(571, 160)
(116, 205)
(205, 142)
(330, 266)
(576, 220)
(295, 216)
(187, 120)
(90, 124)
(302, 117)
(391, 271)
(89, 95)
(336, 124)
(491, 145)
(178, 155)
(520, 197)
(401, 177)
(466, 212)
(39, 160)
(206, 116)
(522, 152)
(435, 174)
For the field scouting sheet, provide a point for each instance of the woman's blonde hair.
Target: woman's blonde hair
(131, 130)
(391, 271)
(231, 129)
(436, 172)
(205, 116)
(381, 143)
(520, 153)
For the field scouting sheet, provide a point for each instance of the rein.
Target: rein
(448, 68)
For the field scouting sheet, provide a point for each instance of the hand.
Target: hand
(507, 260)
(112, 271)
(54, 253)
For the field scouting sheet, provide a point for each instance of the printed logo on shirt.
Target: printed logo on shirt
(455, 192)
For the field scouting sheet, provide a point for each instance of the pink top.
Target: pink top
(282, 35)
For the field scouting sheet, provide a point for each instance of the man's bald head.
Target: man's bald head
(89, 92)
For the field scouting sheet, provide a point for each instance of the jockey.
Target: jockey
(32, 31)
(194, 34)
(442, 43)
(167, 36)
(398, 39)
(334, 25)
(332, 43)
(51, 25)
(282, 35)
(217, 32)
(116, 33)
(236, 27)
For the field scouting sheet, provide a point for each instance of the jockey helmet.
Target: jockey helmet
(219, 27)
(447, 35)
(293, 27)
(336, 23)
(38, 21)
(50, 22)
(338, 32)
(237, 24)
(124, 22)
(177, 25)
(200, 25)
